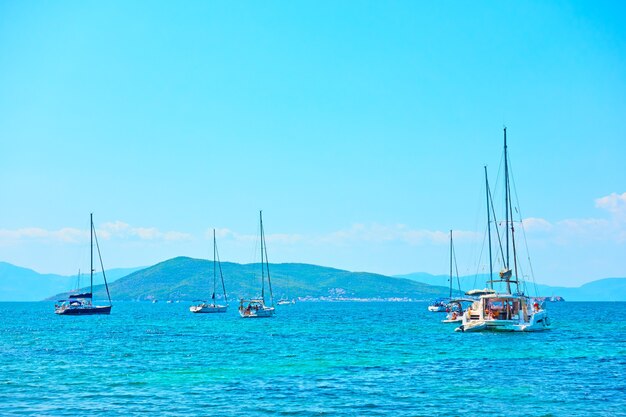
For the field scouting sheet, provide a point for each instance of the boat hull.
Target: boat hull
(538, 322)
(208, 309)
(257, 314)
(84, 311)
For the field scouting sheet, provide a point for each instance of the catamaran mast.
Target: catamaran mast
(489, 230)
(506, 201)
(510, 203)
(509, 212)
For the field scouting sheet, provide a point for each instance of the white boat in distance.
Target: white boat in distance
(457, 307)
(205, 307)
(256, 307)
(439, 305)
(506, 311)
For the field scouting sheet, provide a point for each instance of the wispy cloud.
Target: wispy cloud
(108, 231)
(569, 231)
(121, 230)
(534, 224)
(65, 235)
(357, 233)
(615, 204)
(285, 238)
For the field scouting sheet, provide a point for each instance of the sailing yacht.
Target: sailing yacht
(503, 311)
(441, 305)
(455, 306)
(205, 307)
(81, 304)
(438, 305)
(256, 307)
(285, 300)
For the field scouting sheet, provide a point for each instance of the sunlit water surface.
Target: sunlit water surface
(357, 359)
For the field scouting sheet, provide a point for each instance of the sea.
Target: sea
(311, 359)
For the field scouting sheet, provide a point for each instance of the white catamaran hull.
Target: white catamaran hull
(539, 321)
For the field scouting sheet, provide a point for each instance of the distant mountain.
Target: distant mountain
(188, 279)
(23, 284)
(185, 278)
(607, 289)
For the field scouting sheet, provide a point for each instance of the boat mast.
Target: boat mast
(267, 265)
(506, 200)
(104, 276)
(91, 268)
(214, 269)
(489, 230)
(262, 262)
(507, 207)
(516, 280)
(219, 264)
(450, 264)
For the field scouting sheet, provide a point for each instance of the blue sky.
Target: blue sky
(360, 128)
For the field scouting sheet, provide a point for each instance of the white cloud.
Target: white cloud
(534, 224)
(377, 233)
(121, 230)
(613, 203)
(581, 231)
(65, 235)
(108, 231)
(373, 233)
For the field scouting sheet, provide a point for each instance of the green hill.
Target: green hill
(185, 278)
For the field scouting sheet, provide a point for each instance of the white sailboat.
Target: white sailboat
(455, 306)
(213, 307)
(256, 307)
(503, 311)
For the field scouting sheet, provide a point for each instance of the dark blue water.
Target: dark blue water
(357, 359)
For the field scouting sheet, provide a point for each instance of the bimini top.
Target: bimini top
(462, 300)
(252, 300)
(504, 296)
(81, 295)
(484, 291)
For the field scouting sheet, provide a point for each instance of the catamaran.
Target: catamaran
(213, 307)
(503, 311)
(256, 307)
(80, 304)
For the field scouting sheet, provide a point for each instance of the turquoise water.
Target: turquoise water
(356, 359)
